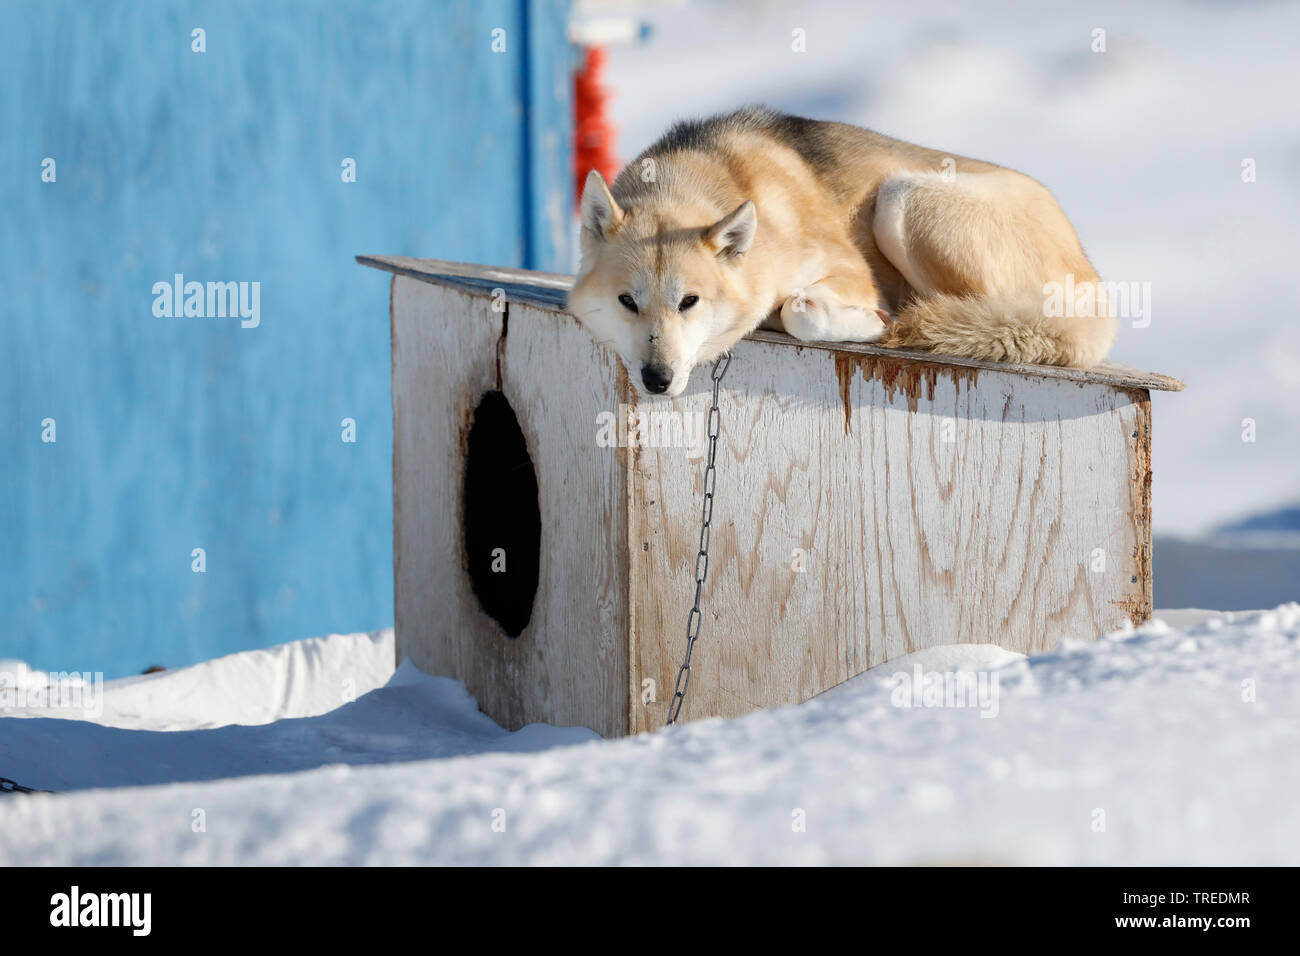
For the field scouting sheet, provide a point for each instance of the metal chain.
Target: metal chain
(8, 786)
(702, 556)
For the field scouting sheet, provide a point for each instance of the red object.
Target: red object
(593, 134)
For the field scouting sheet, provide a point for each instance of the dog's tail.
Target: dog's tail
(1004, 328)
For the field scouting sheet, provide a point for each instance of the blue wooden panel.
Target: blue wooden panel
(549, 119)
(183, 433)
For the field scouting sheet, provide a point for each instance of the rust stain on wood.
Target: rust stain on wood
(1139, 603)
(630, 456)
(906, 376)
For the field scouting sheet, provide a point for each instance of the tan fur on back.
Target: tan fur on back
(849, 224)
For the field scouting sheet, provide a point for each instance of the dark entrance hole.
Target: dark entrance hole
(502, 522)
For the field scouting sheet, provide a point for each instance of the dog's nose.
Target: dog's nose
(656, 379)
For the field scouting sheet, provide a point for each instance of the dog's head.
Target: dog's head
(662, 284)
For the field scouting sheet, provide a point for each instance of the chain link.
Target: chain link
(9, 786)
(702, 555)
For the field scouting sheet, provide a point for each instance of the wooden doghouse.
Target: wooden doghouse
(870, 503)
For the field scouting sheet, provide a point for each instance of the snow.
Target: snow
(302, 679)
(293, 707)
(1168, 745)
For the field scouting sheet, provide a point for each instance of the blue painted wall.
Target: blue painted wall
(183, 433)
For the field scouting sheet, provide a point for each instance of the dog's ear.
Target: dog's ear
(731, 235)
(600, 213)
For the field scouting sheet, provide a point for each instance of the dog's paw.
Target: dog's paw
(806, 317)
(815, 318)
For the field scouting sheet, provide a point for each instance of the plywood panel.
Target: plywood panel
(569, 666)
(933, 505)
(575, 650)
(440, 370)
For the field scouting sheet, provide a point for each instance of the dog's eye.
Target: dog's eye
(687, 302)
(627, 302)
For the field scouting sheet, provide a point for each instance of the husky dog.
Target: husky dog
(827, 231)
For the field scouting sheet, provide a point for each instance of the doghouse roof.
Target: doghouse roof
(547, 290)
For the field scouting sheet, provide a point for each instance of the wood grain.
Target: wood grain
(934, 505)
(575, 648)
(437, 381)
(569, 666)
